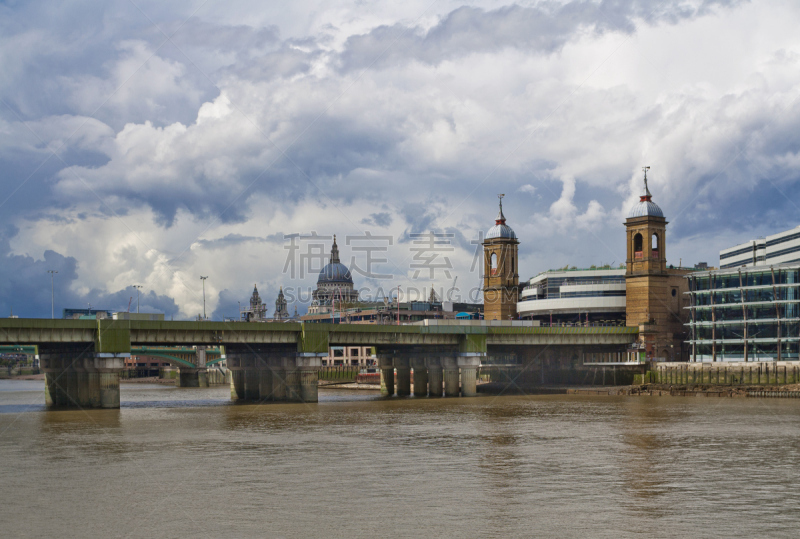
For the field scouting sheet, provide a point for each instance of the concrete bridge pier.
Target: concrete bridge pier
(237, 384)
(109, 389)
(386, 364)
(469, 363)
(403, 376)
(292, 378)
(278, 382)
(252, 381)
(435, 377)
(83, 396)
(93, 386)
(69, 377)
(450, 371)
(55, 394)
(79, 379)
(188, 377)
(265, 383)
(420, 377)
(309, 364)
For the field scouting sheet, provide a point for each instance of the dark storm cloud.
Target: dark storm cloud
(382, 219)
(544, 28)
(25, 286)
(321, 148)
(238, 239)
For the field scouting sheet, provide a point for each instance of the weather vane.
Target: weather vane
(645, 169)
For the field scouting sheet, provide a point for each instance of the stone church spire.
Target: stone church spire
(334, 252)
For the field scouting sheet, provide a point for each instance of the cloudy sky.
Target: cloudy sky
(149, 144)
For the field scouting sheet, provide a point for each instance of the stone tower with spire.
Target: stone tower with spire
(653, 290)
(281, 313)
(258, 310)
(500, 274)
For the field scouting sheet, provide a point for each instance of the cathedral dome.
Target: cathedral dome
(500, 228)
(334, 271)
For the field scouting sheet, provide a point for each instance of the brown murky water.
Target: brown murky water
(187, 463)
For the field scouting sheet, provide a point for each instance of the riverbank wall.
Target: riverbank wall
(772, 373)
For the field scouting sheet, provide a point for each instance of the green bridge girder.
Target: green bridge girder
(30, 349)
(213, 356)
(124, 336)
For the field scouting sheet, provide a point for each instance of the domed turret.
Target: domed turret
(645, 207)
(334, 271)
(500, 228)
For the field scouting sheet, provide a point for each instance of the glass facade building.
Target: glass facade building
(745, 314)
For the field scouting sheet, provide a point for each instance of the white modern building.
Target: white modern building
(575, 297)
(780, 248)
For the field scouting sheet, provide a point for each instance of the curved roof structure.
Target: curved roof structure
(334, 271)
(645, 207)
(500, 228)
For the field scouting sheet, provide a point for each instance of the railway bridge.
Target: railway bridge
(82, 359)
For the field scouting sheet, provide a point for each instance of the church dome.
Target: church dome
(334, 271)
(500, 228)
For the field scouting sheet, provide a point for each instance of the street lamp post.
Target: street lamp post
(204, 295)
(52, 293)
(137, 287)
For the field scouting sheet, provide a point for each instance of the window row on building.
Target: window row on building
(746, 313)
(780, 248)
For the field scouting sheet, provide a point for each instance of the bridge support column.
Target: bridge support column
(109, 389)
(278, 384)
(293, 384)
(265, 384)
(450, 371)
(187, 377)
(420, 378)
(93, 383)
(469, 364)
(84, 391)
(55, 396)
(435, 378)
(387, 375)
(70, 382)
(77, 379)
(403, 377)
(309, 364)
(252, 380)
(237, 385)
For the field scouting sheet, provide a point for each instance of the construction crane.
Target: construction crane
(129, 304)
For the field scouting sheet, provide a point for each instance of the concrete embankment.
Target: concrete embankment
(662, 390)
(791, 391)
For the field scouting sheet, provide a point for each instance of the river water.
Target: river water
(187, 463)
